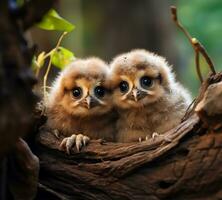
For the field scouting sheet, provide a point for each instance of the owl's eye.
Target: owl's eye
(99, 91)
(77, 92)
(146, 82)
(123, 86)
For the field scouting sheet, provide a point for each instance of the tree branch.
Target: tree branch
(197, 46)
(184, 163)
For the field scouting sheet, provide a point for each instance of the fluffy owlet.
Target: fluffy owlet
(79, 104)
(147, 96)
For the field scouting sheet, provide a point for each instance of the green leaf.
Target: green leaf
(40, 59)
(34, 64)
(52, 21)
(62, 57)
(38, 62)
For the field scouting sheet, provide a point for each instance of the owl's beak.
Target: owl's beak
(138, 94)
(88, 101)
(91, 102)
(135, 94)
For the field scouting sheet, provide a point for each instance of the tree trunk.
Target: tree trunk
(18, 166)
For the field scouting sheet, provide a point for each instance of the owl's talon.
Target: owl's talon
(63, 143)
(85, 140)
(56, 133)
(140, 139)
(70, 142)
(155, 135)
(147, 138)
(77, 140)
(166, 138)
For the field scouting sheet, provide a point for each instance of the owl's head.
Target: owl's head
(139, 78)
(81, 89)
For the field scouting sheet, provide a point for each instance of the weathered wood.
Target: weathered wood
(210, 107)
(185, 163)
(125, 157)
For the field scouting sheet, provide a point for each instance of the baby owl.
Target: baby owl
(146, 95)
(79, 104)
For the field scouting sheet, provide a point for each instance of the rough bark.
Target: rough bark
(18, 165)
(185, 163)
(23, 169)
(16, 97)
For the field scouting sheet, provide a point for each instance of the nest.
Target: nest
(184, 163)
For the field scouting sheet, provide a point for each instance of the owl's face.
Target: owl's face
(139, 78)
(83, 88)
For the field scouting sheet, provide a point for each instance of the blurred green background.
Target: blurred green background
(107, 28)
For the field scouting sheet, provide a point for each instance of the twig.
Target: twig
(42, 59)
(204, 53)
(180, 26)
(197, 61)
(46, 77)
(37, 72)
(50, 63)
(197, 46)
(189, 110)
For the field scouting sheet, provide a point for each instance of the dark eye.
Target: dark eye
(77, 92)
(123, 86)
(146, 82)
(99, 91)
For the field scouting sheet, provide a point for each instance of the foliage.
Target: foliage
(52, 21)
(58, 56)
(62, 57)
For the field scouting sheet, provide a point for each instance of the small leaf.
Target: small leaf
(62, 57)
(40, 59)
(34, 64)
(52, 21)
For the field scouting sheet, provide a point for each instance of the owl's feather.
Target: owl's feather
(70, 115)
(162, 105)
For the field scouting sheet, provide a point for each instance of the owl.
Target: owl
(146, 95)
(79, 104)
